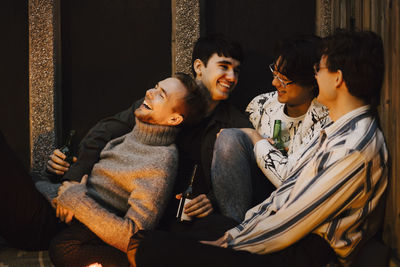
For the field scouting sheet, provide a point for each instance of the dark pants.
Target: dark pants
(210, 227)
(27, 219)
(77, 246)
(174, 249)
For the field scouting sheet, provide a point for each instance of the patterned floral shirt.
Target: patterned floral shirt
(263, 110)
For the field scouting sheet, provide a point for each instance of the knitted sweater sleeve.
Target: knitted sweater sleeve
(146, 204)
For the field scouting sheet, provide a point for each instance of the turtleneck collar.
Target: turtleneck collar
(152, 134)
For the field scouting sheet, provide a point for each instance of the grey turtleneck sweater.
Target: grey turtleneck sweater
(129, 187)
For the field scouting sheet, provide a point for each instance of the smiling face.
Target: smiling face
(161, 103)
(219, 76)
(293, 94)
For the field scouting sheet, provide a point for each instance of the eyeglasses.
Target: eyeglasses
(317, 68)
(283, 83)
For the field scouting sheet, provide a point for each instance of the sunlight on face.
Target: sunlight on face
(220, 76)
(159, 102)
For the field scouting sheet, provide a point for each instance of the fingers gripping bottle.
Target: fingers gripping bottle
(186, 197)
(67, 149)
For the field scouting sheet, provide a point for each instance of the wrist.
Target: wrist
(225, 240)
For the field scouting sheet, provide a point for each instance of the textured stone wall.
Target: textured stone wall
(42, 79)
(44, 59)
(185, 32)
(323, 17)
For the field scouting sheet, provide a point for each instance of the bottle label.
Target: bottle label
(181, 215)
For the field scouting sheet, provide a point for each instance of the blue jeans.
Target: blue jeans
(238, 183)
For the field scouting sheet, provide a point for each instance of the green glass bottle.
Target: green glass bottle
(277, 137)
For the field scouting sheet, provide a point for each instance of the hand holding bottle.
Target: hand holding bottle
(190, 206)
(61, 158)
(57, 164)
(272, 142)
(199, 206)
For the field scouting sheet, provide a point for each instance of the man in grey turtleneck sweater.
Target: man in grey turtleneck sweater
(128, 188)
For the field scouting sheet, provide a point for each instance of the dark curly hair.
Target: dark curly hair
(359, 55)
(298, 55)
(208, 45)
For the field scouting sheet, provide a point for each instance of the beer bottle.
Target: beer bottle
(277, 137)
(66, 149)
(186, 197)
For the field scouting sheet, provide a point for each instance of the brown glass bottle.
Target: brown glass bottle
(185, 198)
(66, 148)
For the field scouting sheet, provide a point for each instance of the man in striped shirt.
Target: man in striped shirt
(324, 209)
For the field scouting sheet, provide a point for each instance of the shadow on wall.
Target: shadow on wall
(41, 152)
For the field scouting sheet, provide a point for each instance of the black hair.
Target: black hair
(359, 55)
(298, 55)
(195, 102)
(208, 45)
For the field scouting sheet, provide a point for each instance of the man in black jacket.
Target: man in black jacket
(215, 65)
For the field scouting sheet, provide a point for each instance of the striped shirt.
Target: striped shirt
(330, 191)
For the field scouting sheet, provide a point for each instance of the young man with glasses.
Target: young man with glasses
(327, 206)
(237, 182)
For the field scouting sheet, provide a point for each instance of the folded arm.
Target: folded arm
(146, 204)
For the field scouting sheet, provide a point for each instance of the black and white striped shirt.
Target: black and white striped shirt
(330, 191)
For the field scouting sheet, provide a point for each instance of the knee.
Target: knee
(232, 139)
(59, 250)
(55, 252)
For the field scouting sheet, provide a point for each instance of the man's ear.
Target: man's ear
(339, 78)
(197, 65)
(175, 119)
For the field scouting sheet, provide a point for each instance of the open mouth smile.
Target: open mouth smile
(225, 85)
(146, 105)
